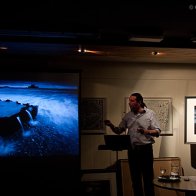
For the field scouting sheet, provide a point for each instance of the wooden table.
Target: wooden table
(189, 187)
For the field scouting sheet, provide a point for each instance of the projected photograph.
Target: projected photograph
(39, 114)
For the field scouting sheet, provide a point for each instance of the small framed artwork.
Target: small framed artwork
(93, 112)
(190, 119)
(99, 184)
(162, 106)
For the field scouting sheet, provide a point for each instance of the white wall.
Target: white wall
(115, 81)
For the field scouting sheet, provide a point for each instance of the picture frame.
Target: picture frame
(162, 106)
(93, 114)
(190, 119)
(102, 176)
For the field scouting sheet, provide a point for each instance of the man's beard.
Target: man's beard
(134, 110)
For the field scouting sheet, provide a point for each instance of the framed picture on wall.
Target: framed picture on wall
(99, 183)
(190, 119)
(92, 113)
(162, 106)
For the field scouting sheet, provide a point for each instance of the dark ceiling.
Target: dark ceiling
(32, 25)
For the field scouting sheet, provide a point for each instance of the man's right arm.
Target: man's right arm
(117, 130)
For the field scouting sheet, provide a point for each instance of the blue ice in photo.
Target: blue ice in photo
(55, 130)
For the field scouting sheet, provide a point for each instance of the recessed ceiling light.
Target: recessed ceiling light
(154, 53)
(3, 48)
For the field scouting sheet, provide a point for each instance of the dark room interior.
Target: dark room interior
(36, 34)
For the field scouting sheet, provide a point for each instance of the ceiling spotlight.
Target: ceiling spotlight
(154, 53)
(3, 48)
(81, 49)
